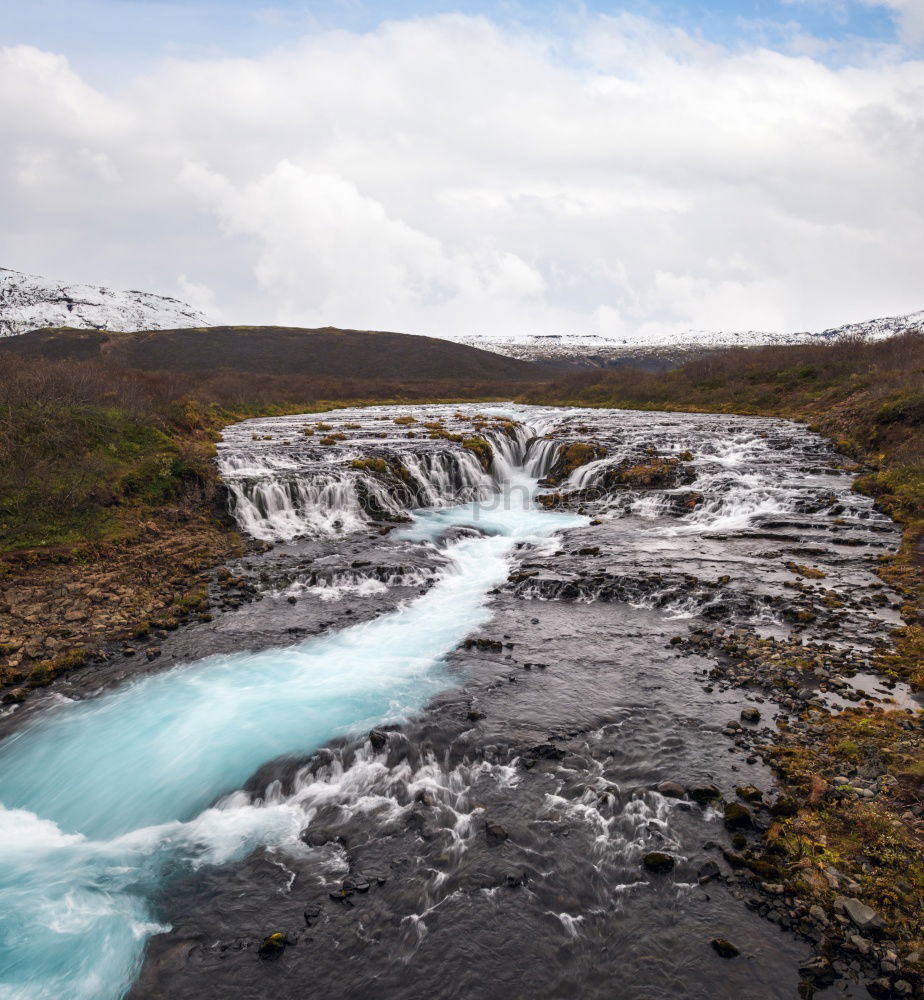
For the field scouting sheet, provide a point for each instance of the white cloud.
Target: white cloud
(910, 16)
(444, 175)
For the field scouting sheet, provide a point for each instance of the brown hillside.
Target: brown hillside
(270, 350)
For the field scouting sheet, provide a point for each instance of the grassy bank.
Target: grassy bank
(91, 451)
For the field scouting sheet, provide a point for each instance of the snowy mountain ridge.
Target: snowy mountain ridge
(28, 302)
(576, 345)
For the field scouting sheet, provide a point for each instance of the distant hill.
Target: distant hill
(272, 350)
(660, 353)
(28, 302)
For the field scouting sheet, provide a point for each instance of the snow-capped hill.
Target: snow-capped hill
(28, 302)
(597, 348)
(876, 329)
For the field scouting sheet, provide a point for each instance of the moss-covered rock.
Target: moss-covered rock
(737, 816)
(570, 457)
(274, 945)
(482, 450)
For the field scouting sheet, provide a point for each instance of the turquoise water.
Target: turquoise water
(102, 799)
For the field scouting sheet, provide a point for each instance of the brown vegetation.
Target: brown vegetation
(280, 351)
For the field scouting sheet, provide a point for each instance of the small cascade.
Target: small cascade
(540, 456)
(284, 483)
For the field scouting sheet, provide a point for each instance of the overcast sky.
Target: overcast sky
(486, 167)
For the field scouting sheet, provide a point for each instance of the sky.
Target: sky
(484, 168)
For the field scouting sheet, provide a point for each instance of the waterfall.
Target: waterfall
(293, 488)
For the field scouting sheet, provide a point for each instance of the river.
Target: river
(486, 841)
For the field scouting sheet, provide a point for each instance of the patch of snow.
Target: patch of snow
(29, 302)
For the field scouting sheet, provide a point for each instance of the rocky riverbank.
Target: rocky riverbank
(61, 611)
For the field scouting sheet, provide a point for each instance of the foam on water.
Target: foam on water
(103, 800)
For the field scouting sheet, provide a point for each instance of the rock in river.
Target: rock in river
(658, 862)
(724, 948)
(273, 946)
(737, 816)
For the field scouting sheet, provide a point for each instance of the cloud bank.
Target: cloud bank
(449, 176)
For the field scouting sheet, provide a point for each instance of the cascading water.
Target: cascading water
(315, 489)
(104, 800)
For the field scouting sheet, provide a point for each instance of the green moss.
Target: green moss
(378, 465)
(482, 450)
(41, 675)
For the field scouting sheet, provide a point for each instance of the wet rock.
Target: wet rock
(750, 793)
(671, 790)
(725, 948)
(750, 715)
(356, 883)
(881, 989)
(658, 862)
(273, 946)
(545, 751)
(378, 739)
(312, 914)
(737, 816)
(495, 833)
(704, 794)
(708, 871)
(514, 881)
(819, 970)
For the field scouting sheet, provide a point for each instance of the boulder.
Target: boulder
(862, 916)
(704, 794)
(750, 715)
(819, 970)
(708, 871)
(737, 816)
(784, 806)
(671, 790)
(273, 946)
(658, 862)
